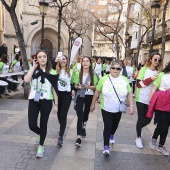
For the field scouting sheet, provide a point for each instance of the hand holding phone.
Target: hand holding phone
(59, 56)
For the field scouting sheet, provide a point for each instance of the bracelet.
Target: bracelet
(132, 105)
(56, 105)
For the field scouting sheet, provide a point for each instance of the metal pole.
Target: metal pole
(153, 33)
(42, 32)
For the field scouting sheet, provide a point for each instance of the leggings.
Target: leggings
(162, 127)
(111, 122)
(64, 101)
(142, 121)
(44, 107)
(82, 109)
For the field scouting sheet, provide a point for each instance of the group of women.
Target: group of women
(86, 81)
(5, 68)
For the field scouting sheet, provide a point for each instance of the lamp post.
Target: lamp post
(43, 11)
(155, 7)
(126, 41)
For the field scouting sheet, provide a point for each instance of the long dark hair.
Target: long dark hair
(48, 65)
(167, 68)
(4, 58)
(90, 71)
(17, 56)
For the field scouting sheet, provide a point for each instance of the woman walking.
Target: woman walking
(145, 79)
(114, 88)
(85, 83)
(40, 98)
(162, 114)
(65, 93)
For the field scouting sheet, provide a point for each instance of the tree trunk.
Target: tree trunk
(59, 27)
(21, 45)
(164, 26)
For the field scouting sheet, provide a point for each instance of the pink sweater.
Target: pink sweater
(159, 101)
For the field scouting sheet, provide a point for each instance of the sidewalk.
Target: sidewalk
(18, 149)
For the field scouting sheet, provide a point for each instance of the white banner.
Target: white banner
(76, 45)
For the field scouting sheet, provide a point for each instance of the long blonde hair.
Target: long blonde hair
(67, 69)
(148, 62)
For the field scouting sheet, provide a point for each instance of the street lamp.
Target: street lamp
(43, 11)
(155, 8)
(127, 35)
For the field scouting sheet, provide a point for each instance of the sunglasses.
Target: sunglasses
(157, 60)
(115, 68)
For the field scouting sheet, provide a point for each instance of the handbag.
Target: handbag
(122, 107)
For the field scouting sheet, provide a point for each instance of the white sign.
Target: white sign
(76, 45)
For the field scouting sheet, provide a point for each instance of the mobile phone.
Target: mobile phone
(60, 54)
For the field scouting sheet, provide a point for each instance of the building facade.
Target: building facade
(107, 11)
(32, 33)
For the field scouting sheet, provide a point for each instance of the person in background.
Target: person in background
(130, 71)
(136, 72)
(110, 103)
(77, 66)
(40, 98)
(108, 67)
(3, 49)
(123, 70)
(85, 83)
(16, 65)
(144, 83)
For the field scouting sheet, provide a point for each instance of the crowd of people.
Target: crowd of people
(91, 81)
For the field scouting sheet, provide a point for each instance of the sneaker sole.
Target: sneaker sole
(77, 144)
(60, 144)
(40, 156)
(161, 152)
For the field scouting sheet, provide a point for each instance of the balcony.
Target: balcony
(158, 32)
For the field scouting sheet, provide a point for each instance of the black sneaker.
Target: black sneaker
(78, 142)
(60, 141)
(83, 133)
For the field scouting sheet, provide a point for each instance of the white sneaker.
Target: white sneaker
(112, 140)
(162, 150)
(138, 142)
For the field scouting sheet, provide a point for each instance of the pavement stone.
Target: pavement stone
(18, 149)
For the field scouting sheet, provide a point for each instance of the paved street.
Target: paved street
(18, 149)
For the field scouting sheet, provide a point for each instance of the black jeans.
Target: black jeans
(111, 122)
(44, 107)
(82, 110)
(64, 101)
(142, 120)
(162, 127)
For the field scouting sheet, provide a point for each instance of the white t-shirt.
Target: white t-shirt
(143, 94)
(108, 68)
(5, 69)
(98, 69)
(88, 91)
(64, 81)
(17, 66)
(129, 70)
(45, 89)
(109, 99)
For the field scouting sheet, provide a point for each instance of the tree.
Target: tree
(164, 26)
(61, 5)
(11, 10)
(111, 25)
(77, 20)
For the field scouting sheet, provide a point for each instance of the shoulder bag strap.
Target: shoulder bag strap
(114, 89)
